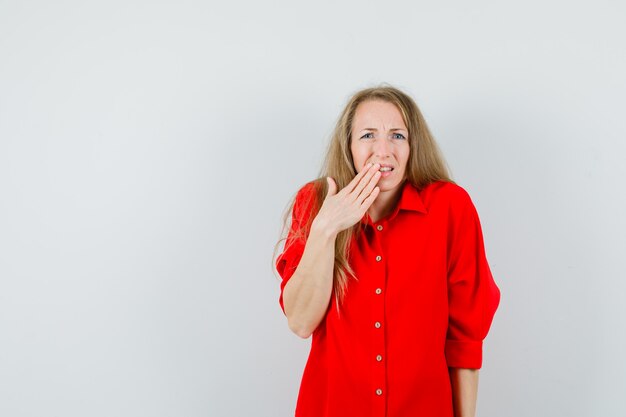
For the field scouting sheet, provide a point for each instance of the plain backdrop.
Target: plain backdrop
(148, 150)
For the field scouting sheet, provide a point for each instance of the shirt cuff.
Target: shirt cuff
(464, 353)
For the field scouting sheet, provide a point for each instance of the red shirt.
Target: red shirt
(424, 302)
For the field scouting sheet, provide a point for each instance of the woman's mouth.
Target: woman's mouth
(385, 171)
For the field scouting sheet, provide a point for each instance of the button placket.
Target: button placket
(379, 381)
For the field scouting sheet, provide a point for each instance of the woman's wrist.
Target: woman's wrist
(323, 228)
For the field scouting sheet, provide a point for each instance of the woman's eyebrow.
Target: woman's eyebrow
(376, 130)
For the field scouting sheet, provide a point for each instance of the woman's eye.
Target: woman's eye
(395, 136)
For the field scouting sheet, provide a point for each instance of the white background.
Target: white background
(149, 148)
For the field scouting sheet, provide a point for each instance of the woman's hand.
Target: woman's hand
(341, 210)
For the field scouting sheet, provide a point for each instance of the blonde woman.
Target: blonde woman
(384, 264)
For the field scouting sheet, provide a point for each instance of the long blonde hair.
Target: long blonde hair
(425, 165)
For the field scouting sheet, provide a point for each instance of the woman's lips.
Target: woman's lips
(385, 174)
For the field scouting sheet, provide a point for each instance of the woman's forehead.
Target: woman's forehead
(371, 114)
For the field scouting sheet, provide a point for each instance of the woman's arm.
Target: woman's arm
(307, 293)
(464, 383)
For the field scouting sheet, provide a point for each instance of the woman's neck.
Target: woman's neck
(385, 203)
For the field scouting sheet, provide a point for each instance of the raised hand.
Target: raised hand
(341, 210)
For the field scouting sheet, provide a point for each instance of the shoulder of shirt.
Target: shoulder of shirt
(448, 189)
(305, 197)
(306, 190)
(307, 187)
(448, 192)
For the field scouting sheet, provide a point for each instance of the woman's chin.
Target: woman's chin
(386, 186)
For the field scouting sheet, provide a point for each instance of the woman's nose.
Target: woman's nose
(382, 147)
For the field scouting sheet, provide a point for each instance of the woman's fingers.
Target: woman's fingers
(372, 176)
(370, 199)
(346, 207)
(369, 188)
(357, 178)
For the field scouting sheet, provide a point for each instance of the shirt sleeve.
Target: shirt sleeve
(288, 260)
(473, 296)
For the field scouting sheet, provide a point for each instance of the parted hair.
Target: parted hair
(425, 165)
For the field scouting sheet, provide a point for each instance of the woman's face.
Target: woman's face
(380, 135)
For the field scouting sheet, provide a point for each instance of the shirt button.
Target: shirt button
(379, 392)
(378, 290)
(379, 358)
(378, 258)
(379, 227)
(377, 325)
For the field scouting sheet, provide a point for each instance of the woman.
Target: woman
(398, 246)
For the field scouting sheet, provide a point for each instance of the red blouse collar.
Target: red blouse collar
(409, 200)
